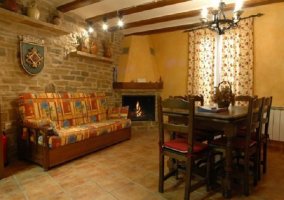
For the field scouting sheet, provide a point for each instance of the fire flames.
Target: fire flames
(139, 111)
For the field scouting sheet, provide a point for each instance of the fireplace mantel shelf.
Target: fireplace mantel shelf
(13, 17)
(136, 85)
(96, 57)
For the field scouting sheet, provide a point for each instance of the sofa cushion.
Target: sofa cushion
(40, 106)
(102, 106)
(92, 108)
(96, 107)
(48, 105)
(113, 113)
(28, 106)
(80, 108)
(74, 109)
(77, 133)
(124, 112)
(65, 109)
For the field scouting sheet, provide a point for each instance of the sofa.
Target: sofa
(59, 127)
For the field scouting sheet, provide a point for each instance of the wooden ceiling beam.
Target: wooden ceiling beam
(164, 30)
(166, 18)
(136, 9)
(76, 4)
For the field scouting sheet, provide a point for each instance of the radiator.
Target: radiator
(276, 124)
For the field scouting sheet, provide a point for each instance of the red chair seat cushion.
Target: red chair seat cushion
(201, 135)
(181, 145)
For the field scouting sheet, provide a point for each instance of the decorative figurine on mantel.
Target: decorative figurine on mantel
(107, 48)
(56, 18)
(93, 45)
(33, 11)
(81, 41)
(11, 5)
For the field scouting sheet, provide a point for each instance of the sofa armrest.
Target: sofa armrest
(38, 131)
(38, 136)
(38, 123)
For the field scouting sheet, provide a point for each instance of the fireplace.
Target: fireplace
(141, 107)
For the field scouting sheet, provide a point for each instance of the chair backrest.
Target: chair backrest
(266, 114)
(176, 108)
(199, 99)
(242, 99)
(254, 118)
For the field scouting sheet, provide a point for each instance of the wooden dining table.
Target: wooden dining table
(228, 121)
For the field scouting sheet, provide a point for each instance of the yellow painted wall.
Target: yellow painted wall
(171, 55)
(269, 52)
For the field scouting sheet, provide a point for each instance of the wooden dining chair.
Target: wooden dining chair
(246, 143)
(265, 134)
(186, 149)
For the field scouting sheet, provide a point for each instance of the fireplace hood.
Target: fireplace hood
(137, 62)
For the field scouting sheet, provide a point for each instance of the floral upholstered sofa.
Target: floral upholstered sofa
(58, 127)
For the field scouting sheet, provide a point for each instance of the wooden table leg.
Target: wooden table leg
(1, 158)
(230, 132)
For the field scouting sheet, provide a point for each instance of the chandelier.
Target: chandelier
(220, 23)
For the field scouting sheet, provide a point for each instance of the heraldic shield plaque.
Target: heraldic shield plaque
(32, 57)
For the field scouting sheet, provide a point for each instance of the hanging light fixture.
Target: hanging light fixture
(217, 20)
(220, 23)
(105, 25)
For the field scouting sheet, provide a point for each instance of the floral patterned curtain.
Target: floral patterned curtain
(237, 58)
(201, 63)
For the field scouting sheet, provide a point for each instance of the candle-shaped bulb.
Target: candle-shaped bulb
(204, 13)
(238, 5)
(216, 4)
(120, 23)
(105, 27)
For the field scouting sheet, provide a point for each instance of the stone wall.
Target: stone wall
(66, 72)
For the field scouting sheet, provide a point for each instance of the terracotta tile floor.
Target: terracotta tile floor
(128, 170)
